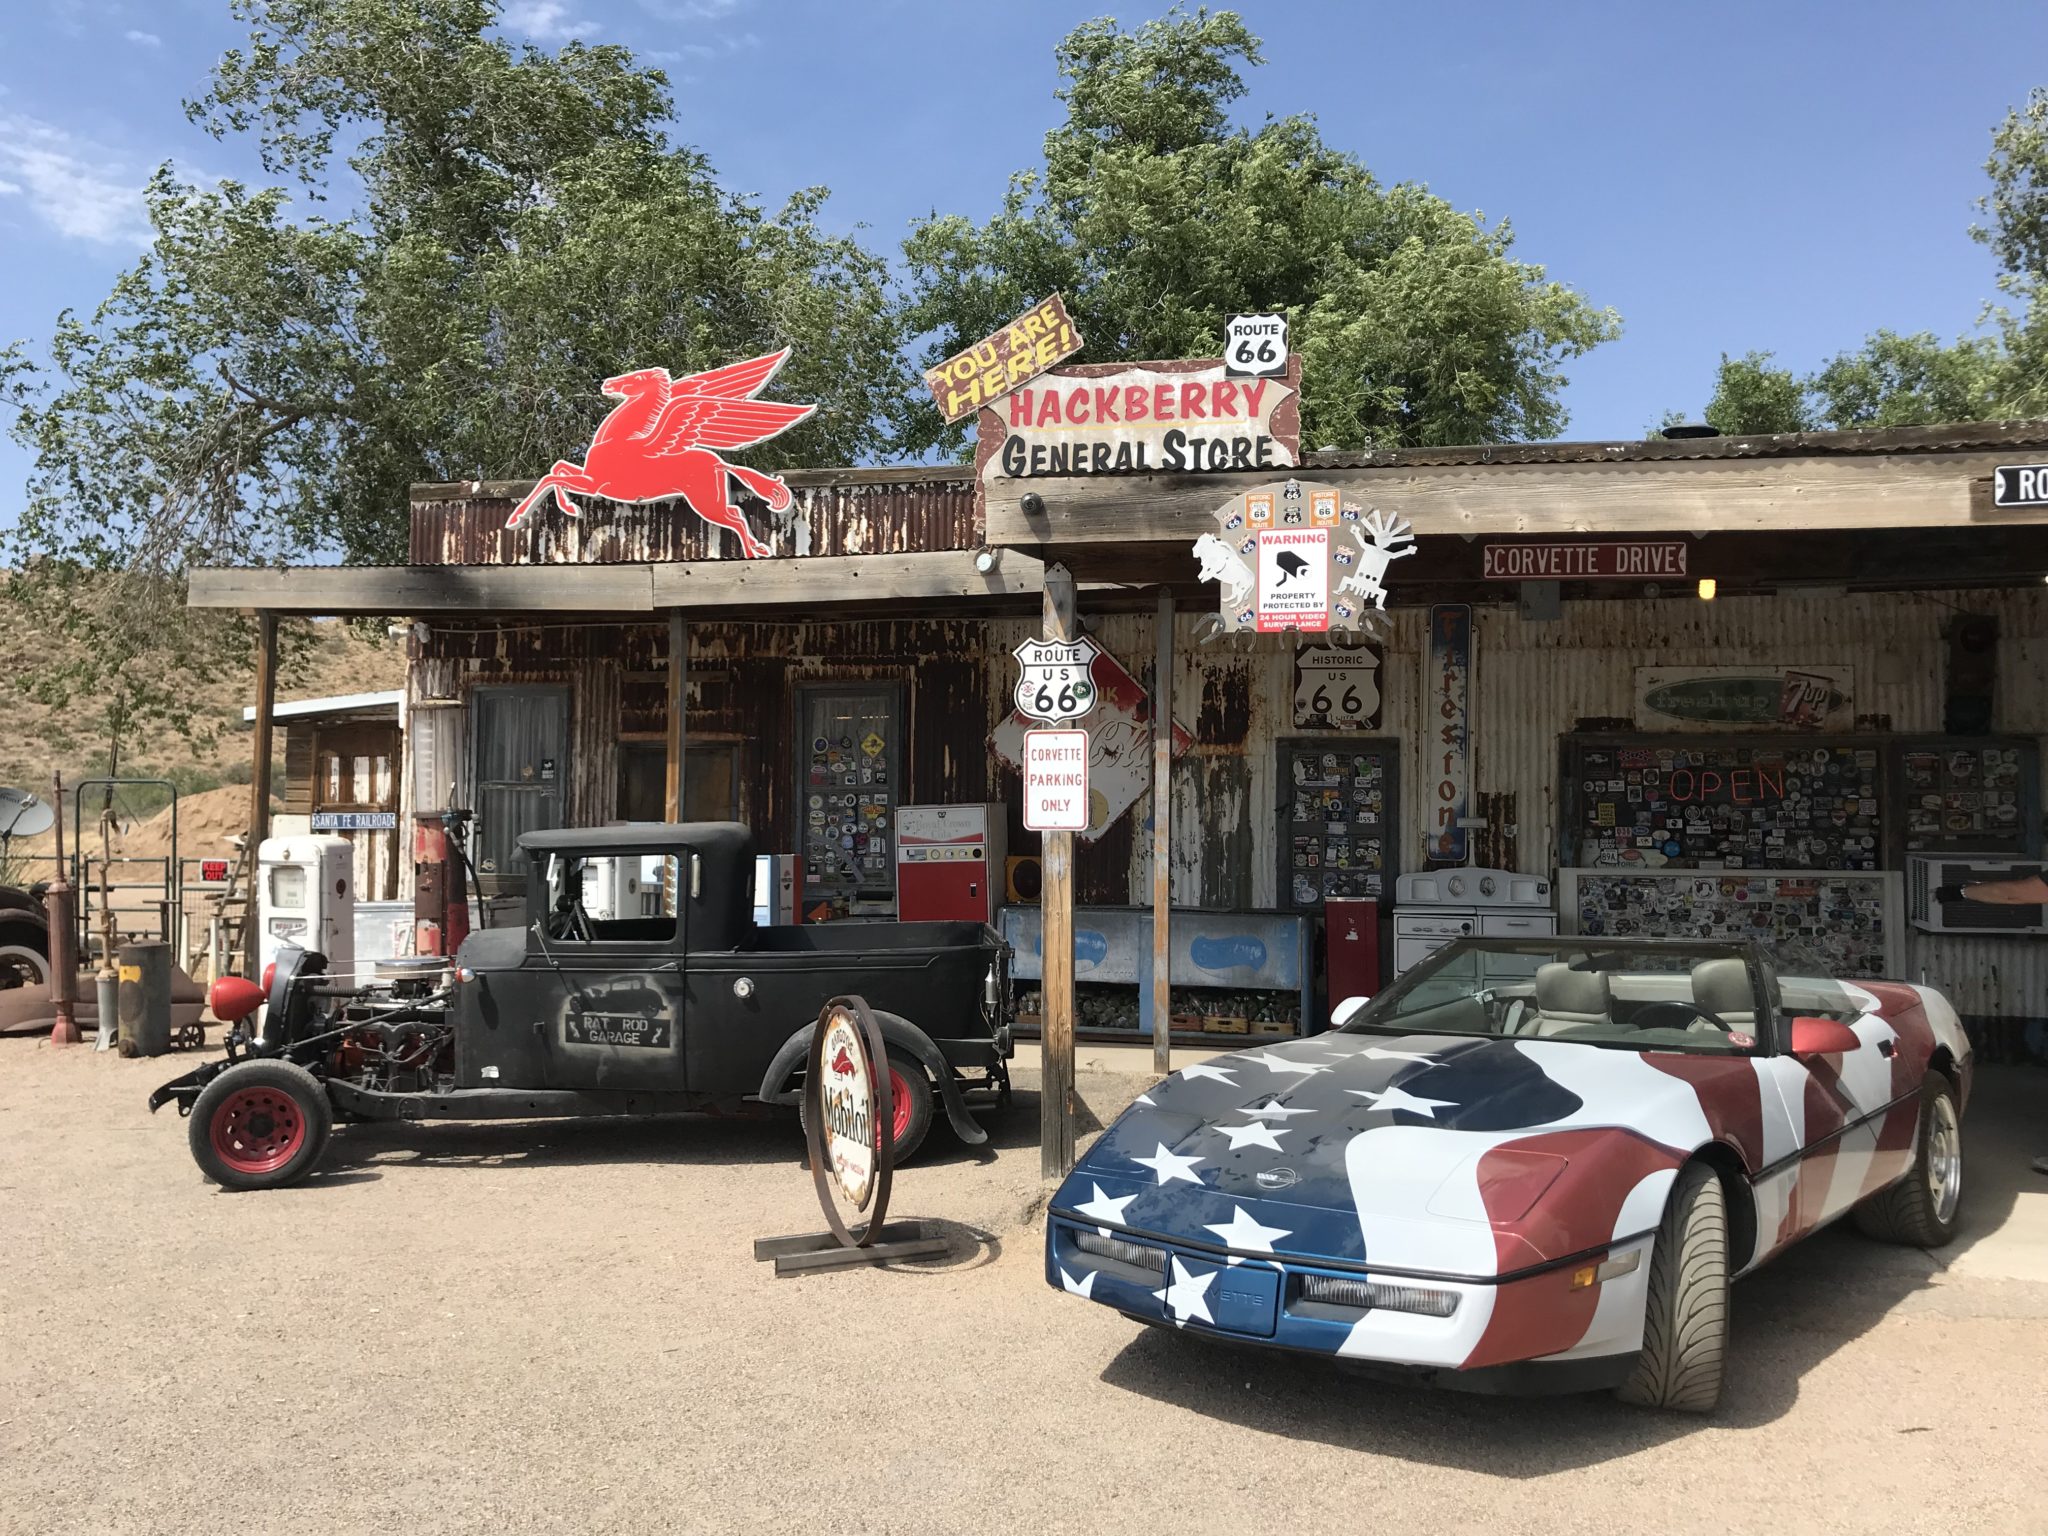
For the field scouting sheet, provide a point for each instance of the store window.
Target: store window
(849, 781)
(710, 781)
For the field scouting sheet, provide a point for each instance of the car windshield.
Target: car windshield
(1630, 996)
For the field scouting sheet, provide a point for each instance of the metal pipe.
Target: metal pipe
(63, 939)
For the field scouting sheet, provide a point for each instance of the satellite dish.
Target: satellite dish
(24, 815)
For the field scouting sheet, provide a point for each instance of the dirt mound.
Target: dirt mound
(205, 822)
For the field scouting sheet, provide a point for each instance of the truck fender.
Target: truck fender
(899, 1032)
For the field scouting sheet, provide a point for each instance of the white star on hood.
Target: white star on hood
(1103, 1208)
(1203, 1069)
(1381, 1053)
(1085, 1286)
(1244, 1230)
(1170, 1165)
(1257, 1134)
(1399, 1098)
(1184, 1297)
(1273, 1109)
(1274, 1063)
(1145, 1099)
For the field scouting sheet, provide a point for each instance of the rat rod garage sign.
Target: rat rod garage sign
(1137, 418)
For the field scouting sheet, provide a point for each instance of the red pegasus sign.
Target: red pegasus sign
(657, 445)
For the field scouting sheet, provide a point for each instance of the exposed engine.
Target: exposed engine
(389, 1032)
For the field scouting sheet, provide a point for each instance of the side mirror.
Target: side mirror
(1347, 1010)
(1822, 1037)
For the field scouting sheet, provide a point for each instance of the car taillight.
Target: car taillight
(1366, 1295)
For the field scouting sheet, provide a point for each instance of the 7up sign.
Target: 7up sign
(1055, 679)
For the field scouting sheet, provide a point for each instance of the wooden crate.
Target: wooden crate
(1272, 1027)
(1224, 1024)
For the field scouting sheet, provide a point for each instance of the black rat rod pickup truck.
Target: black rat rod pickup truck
(694, 1010)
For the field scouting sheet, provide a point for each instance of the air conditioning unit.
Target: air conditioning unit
(1927, 873)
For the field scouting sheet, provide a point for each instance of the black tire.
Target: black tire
(911, 1073)
(260, 1125)
(1923, 1209)
(23, 963)
(1685, 1321)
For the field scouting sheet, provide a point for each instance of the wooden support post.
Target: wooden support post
(1056, 913)
(678, 695)
(259, 772)
(1162, 835)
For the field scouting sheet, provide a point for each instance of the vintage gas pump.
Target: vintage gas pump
(440, 865)
(305, 895)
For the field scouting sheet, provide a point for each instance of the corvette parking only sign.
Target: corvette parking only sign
(1056, 781)
(1055, 679)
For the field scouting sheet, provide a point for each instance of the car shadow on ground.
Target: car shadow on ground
(1787, 1318)
(694, 1140)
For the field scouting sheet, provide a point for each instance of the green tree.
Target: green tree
(1158, 221)
(2017, 205)
(1752, 395)
(460, 239)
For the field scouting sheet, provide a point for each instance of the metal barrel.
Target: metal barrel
(145, 999)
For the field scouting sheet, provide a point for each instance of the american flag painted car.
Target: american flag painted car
(1526, 1165)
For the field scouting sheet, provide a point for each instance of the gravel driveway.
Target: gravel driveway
(513, 1329)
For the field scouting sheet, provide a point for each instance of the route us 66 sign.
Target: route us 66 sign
(1255, 347)
(1337, 687)
(1055, 678)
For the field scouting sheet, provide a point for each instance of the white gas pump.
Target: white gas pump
(305, 896)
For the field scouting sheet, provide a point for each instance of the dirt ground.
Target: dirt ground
(516, 1328)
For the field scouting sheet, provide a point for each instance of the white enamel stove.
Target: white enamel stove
(1435, 906)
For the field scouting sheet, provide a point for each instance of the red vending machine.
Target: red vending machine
(949, 862)
(1352, 948)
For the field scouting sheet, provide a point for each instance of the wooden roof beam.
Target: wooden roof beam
(1735, 495)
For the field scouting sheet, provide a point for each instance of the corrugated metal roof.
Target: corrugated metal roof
(1954, 438)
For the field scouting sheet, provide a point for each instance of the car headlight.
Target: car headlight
(1368, 1295)
(1136, 1255)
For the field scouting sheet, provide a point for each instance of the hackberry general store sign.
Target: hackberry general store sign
(1142, 418)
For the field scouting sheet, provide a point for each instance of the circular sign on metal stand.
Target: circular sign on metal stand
(848, 1113)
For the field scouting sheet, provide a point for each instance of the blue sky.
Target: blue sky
(1780, 176)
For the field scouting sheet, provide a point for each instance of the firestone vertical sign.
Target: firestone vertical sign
(1447, 725)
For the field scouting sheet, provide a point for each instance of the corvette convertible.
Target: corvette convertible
(1526, 1166)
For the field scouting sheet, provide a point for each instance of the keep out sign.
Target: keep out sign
(1056, 781)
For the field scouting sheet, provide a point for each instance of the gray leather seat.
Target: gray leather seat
(1723, 988)
(1567, 999)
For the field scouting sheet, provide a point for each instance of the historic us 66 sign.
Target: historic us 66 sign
(1055, 678)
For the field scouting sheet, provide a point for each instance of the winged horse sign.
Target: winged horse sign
(658, 442)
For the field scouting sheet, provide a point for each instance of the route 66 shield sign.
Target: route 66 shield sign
(1054, 678)
(1255, 347)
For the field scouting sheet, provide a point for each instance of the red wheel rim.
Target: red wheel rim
(257, 1130)
(899, 1106)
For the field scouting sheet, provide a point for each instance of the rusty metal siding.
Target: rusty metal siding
(594, 742)
(839, 514)
(1533, 683)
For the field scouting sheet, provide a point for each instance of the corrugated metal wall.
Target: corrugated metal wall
(1533, 683)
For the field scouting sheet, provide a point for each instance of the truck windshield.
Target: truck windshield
(1633, 997)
